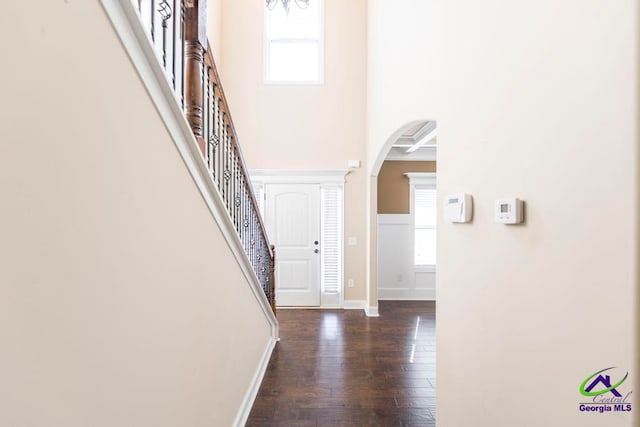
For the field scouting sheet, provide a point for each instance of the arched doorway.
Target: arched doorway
(415, 141)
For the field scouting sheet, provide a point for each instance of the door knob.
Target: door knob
(315, 243)
(316, 251)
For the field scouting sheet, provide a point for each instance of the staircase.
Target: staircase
(177, 35)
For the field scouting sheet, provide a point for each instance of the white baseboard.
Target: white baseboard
(407, 294)
(372, 311)
(361, 304)
(349, 304)
(355, 304)
(254, 387)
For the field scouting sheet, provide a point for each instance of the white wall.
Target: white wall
(304, 127)
(215, 20)
(403, 40)
(536, 100)
(120, 302)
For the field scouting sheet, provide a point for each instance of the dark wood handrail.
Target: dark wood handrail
(237, 144)
(182, 45)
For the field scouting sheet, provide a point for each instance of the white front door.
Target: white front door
(293, 225)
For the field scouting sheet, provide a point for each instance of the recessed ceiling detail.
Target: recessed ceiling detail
(418, 143)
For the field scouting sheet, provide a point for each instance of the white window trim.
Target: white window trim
(421, 180)
(266, 52)
(326, 178)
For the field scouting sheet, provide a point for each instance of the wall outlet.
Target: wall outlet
(352, 241)
(350, 283)
(399, 278)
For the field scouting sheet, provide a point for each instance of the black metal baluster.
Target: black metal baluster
(248, 218)
(241, 216)
(232, 183)
(267, 275)
(254, 243)
(223, 154)
(228, 168)
(153, 21)
(225, 172)
(236, 188)
(249, 237)
(257, 246)
(259, 263)
(174, 21)
(165, 13)
(244, 217)
(230, 171)
(220, 144)
(205, 116)
(182, 57)
(238, 195)
(216, 134)
(227, 163)
(261, 266)
(211, 116)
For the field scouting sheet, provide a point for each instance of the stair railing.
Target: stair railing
(177, 29)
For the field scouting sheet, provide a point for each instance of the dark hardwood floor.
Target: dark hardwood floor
(341, 368)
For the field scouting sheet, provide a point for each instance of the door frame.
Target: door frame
(325, 178)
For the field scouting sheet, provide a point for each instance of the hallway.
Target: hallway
(341, 368)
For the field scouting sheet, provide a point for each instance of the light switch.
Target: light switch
(353, 241)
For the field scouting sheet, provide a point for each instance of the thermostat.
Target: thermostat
(509, 211)
(458, 207)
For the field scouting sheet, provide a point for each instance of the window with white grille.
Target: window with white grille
(294, 48)
(331, 236)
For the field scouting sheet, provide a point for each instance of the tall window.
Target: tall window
(294, 51)
(423, 210)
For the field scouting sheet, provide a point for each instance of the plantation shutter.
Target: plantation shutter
(331, 230)
(425, 207)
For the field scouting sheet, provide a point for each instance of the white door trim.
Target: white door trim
(325, 178)
(268, 176)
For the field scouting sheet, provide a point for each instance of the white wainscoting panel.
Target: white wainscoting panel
(398, 277)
